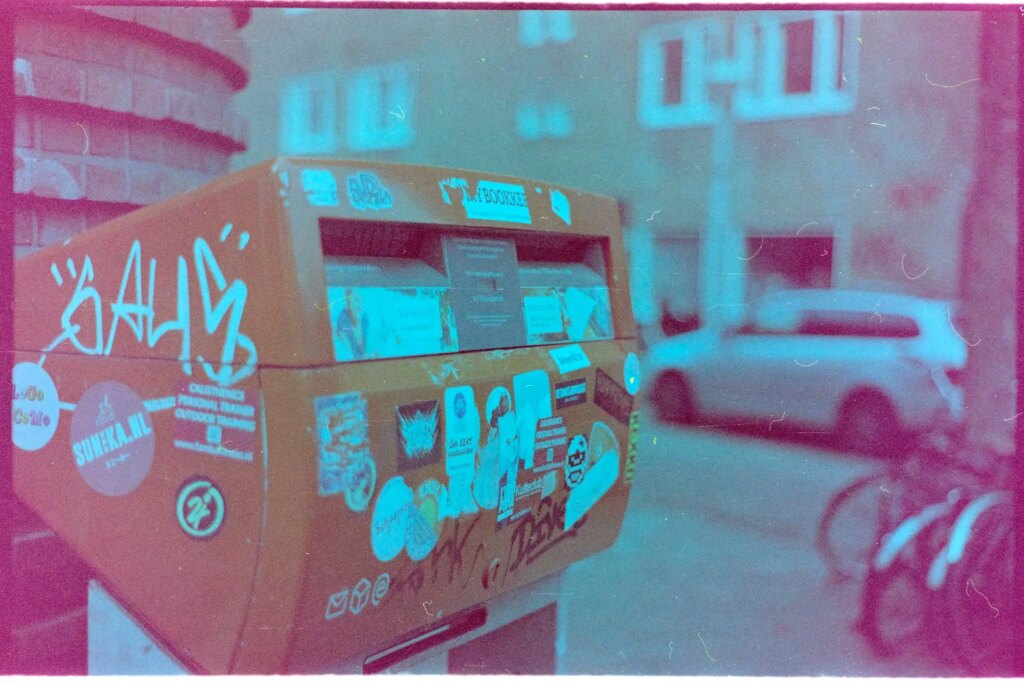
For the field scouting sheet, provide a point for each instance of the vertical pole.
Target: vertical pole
(6, 330)
(722, 273)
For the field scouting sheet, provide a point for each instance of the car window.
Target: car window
(858, 324)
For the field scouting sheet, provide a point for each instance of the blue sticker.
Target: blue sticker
(492, 201)
(560, 206)
(365, 191)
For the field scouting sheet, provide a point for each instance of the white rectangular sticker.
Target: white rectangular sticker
(491, 201)
(569, 358)
(461, 437)
(543, 315)
(595, 484)
(320, 187)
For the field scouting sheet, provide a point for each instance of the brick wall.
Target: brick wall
(115, 108)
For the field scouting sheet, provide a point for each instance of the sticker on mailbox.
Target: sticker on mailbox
(112, 438)
(215, 420)
(35, 408)
(366, 191)
(418, 435)
(569, 358)
(320, 187)
(345, 464)
(200, 508)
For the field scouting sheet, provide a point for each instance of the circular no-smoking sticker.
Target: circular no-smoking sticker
(200, 508)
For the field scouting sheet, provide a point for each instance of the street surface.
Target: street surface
(715, 571)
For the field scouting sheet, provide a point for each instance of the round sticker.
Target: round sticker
(360, 478)
(390, 519)
(425, 520)
(631, 373)
(112, 439)
(602, 440)
(35, 407)
(200, 508)
(576, 461)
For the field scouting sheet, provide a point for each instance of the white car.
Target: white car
(868, 366)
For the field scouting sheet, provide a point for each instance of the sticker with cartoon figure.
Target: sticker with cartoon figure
(35, 408)
(576, 461)
(601, 475)
(499, 452)
(418, 435)
(200, 508)
(112, 438)
(462, 436)
(346, 466)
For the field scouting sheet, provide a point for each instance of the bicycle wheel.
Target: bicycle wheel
(897, 608)
(979, 593)
(851, 525)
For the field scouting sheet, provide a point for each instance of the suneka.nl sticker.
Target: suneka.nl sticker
(320, 187)
(35, 408)
(604, 454)
(569, 358)
(112, 439)
(462, 435)
(388, 527)
(419, 436)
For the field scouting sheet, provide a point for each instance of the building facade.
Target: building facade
(749, 150)
(115, 108)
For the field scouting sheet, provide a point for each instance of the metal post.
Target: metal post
(6, 332)
(722, 272)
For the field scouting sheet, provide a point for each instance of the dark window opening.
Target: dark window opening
(857, 324)
(799, 56)
(787, 263)
(672, 93)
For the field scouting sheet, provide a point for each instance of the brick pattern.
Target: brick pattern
(115, 108)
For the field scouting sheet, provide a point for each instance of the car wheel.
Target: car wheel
(673, 400)
(868, 424)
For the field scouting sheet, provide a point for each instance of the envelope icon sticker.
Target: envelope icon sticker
(336, 605)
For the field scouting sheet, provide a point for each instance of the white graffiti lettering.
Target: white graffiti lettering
(136, 310)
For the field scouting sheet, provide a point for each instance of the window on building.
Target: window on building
(805, 65)
(788, 262)
(380, 105)
(672, 78)
(308, 120)
(537, 27)
(538, 120)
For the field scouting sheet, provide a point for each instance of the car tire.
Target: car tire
(673, 400)
(868, 424)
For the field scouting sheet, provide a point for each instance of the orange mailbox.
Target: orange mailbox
(280, 414)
